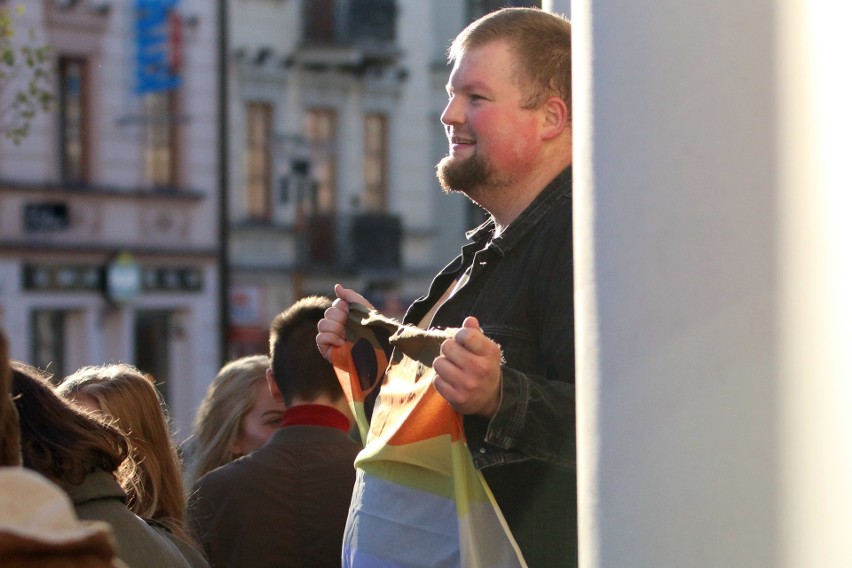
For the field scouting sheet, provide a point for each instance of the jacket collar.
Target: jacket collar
(98, 485)
(559, 188)
(315, 415)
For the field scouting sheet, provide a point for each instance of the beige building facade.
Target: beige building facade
(108, 208)
(125, 237)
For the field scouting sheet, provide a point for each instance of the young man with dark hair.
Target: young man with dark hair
(286, 503)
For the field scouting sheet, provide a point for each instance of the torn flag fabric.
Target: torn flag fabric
(418, 499)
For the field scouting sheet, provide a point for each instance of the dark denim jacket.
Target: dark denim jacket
(521, 291)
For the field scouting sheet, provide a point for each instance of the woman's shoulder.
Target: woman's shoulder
(193, 556)
(141, 543)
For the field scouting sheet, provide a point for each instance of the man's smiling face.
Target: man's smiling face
(491, 136)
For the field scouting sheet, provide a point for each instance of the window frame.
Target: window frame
(73, 169)
(376, 162)
(258, 159)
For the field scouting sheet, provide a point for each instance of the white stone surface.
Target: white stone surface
(712, 284)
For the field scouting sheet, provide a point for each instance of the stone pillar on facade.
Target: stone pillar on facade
(713, 279)
(350, 181)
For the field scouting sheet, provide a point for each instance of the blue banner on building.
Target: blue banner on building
(159, 46)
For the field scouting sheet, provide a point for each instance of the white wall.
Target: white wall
(816, 306)
(712, 286)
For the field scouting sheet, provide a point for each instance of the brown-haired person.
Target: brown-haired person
(38, 526)
(286, 503)
(508, 371)
(151, 475)
(82, 454)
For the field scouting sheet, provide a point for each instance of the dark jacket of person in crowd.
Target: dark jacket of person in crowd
(286, 503)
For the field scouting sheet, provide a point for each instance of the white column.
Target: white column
(713, 254)
(815, 120)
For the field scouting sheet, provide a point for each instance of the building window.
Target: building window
(48, 341)
(258, 162)
(321, 134)
(478, 8)
(73, 115)
(372, 20)
(375, 162)
(161, 139)
(319, 22)
(152, 333)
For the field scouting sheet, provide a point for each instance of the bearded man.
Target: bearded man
(508, 367)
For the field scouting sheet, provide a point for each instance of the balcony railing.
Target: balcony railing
(354, 243)
(349, 34)
(349, 22)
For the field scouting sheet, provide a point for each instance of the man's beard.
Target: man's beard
(473, 176)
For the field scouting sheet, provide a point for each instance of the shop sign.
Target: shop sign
(172, 279)
(246, 304)
(159, 46)
(45, 217)
(123, 278)
(39, 277)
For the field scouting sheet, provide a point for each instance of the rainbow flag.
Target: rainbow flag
(418, 499)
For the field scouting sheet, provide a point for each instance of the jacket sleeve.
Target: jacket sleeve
(536, 418)
(213, 521)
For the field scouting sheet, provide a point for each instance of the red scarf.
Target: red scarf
(315, 415)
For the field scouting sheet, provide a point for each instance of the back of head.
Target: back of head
(57, 440)
(299, 369)
(217, 424)
(128, 397)
(541, 42)
(10, 436)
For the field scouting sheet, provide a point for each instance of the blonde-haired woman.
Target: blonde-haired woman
(237, 416)
(151, 476)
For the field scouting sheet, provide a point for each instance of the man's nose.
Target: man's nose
(452, 112)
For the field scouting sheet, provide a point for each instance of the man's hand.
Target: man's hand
(468, 371)
(332, 327)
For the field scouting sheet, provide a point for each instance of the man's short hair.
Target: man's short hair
(541, 42)
(297, 365)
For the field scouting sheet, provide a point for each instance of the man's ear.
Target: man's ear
(556, 118)
(273, 386)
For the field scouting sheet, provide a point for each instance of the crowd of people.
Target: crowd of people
(97, 447)
(446, 439)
